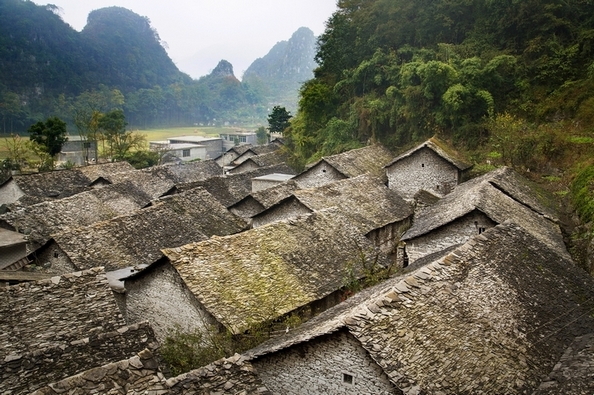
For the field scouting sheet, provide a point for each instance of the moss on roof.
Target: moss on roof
(479, 320)
(267, 272)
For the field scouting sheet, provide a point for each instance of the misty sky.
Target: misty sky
(199, 33)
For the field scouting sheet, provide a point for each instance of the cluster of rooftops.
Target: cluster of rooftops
(484, 298)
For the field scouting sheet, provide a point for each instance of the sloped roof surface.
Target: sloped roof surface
(270, 196)
(480, 194)
(479, 320)
(574, 373)
(193, 171)
(365, 200)
(10, 238)
(155, 181)
(441, 149)
(232, 188)
(37, 315)
(138, 238)
(105, 170)
(266, 272)
(53, 184)
(41, 220)
(353, 163)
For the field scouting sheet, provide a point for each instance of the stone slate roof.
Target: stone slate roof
(155, 181)
(574, 373)
(270, 196)
(365, 200)
(256, 151)
(235, 151)
(141, 375)
(441, 149)
(105, 170)
(268, 159)
(230, 189)
(267, 272)
(193, 171)
(53, 184)
(480, 194)
(479, 320)
(137, 239)
(524, 191)
(54, 328)
(41, 220)
(9, 238)
(356, 162)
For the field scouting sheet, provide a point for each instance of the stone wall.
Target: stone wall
(52, 259)
(388, 237)
(318, 175)
(332, 364)
(457, 232)
(422, 170)
(23, 373)
(10, 193)
(247, 208)
(160, 296)
(140, 375)
(290, 208)
(244, 167)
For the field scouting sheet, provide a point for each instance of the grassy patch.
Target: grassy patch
(580, 140)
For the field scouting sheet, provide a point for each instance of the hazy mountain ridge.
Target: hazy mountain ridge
(282, 71)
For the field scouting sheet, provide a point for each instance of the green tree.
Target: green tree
(278, 119)
(49, 136)
(262, 135)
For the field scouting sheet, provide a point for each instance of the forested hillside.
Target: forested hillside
(403, 70)
(117, 61)
(506, 82)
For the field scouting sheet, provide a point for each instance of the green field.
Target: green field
(152, 134)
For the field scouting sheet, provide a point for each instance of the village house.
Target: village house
(378, 212)
(353, 163)
(38, 187)
(256, 276)
(231, 188)
(269, 180)
(431, 166)
(478, 320)
(190, 147)
(255, 151)
(227, 157)
(136, 239)
(78, 151)
(40, 221)
(59, 327)
(238, 138)
(258, 201)
(476, 206)
(259, 161)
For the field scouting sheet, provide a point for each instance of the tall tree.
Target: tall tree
(50, 136)
(278, 119)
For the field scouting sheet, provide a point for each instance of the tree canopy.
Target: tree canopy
(50, 135)
(399, 71)
(278, 119)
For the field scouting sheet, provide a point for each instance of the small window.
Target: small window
(323, 170)
(186, 153)
(422, 165)
(56, 254)
(348, 379)
(481, 230)
(242, 139)
(86, 145)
